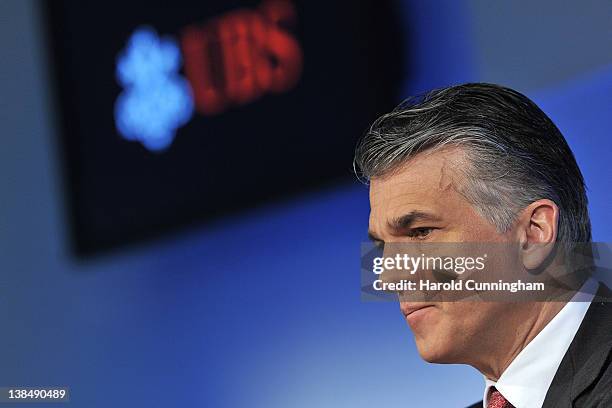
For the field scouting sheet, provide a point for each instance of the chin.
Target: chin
(435, 353)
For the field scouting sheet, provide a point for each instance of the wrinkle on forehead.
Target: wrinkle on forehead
(431, 183)
(424, 182)
(445, 164)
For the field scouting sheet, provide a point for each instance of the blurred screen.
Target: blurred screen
(172, 115)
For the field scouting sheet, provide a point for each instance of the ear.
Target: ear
(537, 232)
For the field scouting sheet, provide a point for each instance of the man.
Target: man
(482, 163)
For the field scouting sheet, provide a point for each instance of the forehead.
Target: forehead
(428, 182)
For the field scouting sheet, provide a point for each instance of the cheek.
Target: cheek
(470, 226)
(483, 231)
(440, 327)
(468, 322)
(459, 320)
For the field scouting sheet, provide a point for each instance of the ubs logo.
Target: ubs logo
(230, 60)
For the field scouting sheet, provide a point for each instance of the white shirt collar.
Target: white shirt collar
(526, 380)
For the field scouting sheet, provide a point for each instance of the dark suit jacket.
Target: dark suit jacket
(584, 377)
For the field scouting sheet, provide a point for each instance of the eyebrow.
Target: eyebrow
(407, 220)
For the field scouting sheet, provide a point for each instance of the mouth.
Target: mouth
(409, 309)
(415, 313)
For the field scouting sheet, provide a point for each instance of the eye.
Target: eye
(419, 233)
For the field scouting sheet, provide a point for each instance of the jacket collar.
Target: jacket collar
(586, 355)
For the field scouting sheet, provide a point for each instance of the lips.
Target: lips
(409, 308)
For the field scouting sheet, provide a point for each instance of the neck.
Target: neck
(524, 322)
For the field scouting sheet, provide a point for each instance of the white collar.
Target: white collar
(526, 380)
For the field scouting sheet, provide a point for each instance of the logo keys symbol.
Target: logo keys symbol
(156, 99)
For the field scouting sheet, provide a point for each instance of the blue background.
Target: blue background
(263, 309)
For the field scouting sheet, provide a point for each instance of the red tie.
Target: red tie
(496, 400)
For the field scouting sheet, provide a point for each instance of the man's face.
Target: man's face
(427, 187)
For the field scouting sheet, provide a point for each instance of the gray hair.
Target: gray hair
(516, 153)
